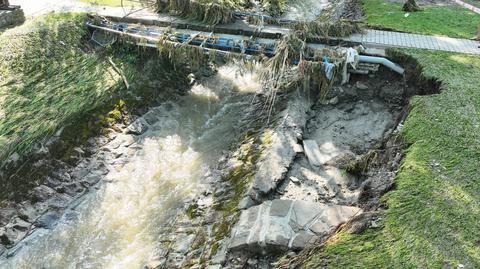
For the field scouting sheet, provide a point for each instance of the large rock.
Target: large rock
(153, 116)
(273, 167)
(10, 236)
(280, 152)
(27, 212)
(120, 140)
(6, 215)
(138, 127)
(20, 225)
(183, 242)
(361, 86)
(279, 225)
(42, 193)
(48, 220)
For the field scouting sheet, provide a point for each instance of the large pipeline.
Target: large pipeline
(220, 42)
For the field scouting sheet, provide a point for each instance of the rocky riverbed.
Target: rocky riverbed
(199, 181)
(129, 195)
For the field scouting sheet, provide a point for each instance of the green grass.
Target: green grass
(433, 215)
(46, 79)
(445, 21)
(51, 76)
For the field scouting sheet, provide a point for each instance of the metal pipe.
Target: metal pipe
(225, 45)
(383, 61)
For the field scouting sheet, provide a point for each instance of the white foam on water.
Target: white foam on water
(119, 225)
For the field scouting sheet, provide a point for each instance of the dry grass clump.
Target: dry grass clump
(211, 12)
(297, 65)
(184, 54)
(47, 79)
(216, 11)
(321, 28)
(274, 7)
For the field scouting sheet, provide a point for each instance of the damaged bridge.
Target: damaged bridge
(106, 32)
(369, 38)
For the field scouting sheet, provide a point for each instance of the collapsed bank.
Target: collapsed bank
(295, 178)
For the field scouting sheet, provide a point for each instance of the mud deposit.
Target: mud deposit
(342, 132)
(348, 161)
(191, 184)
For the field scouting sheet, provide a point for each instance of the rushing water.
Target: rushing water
(118, 225)
(305, 10)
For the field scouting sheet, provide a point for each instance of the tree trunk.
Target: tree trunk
(411, 6)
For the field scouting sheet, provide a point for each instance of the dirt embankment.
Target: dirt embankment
(349, 159)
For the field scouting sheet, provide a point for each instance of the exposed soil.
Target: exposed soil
(357, 133)
(363, 114)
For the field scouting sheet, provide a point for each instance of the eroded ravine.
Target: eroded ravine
(119, 224)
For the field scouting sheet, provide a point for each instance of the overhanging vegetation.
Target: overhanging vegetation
(47, 78)
(50, 75)
(208, 11)
(217, 11)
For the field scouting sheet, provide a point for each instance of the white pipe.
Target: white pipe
(383, 61)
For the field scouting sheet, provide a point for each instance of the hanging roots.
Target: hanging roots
(296, 65)
(318, 28)
(211, 13)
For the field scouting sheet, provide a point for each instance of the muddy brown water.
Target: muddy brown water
(119, 224)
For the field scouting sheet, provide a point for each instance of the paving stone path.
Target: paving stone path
(376, 38)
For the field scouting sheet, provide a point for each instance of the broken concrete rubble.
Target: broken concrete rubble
(138, 127)
(279, 225)
(282, 150)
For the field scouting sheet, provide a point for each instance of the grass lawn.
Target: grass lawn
(51, 76)
(433, 215)
(445, 21)
(46, 79)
